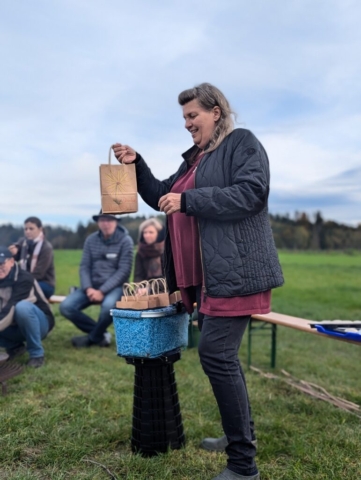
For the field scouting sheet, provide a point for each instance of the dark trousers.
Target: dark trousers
(74, 303)
(218, 350)
(47, 289)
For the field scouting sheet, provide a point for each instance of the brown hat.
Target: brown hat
(105, 215)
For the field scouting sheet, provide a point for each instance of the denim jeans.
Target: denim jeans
(31, 326)
(48, 290)
(71, 308)
(218, 350)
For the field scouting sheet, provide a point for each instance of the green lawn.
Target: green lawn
(79, 406)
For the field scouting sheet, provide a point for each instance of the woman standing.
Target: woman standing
(148, 260)
(35, 254)
(219, 251)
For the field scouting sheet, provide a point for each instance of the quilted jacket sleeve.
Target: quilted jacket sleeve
(246, 196)
(85, 267)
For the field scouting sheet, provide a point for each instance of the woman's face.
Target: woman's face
(31, 230)
(150, 234)
(200, 123)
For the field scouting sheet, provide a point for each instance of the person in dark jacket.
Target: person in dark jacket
(219, 251)
(148, 260)
(25, 315)
(35, 254)
(105, 265)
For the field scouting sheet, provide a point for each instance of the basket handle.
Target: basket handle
(156, 283)
(164, 283)
(110, 157)
(143, 284)
(128, 290)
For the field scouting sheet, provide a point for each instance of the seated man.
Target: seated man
(25, 315)
(105, 265)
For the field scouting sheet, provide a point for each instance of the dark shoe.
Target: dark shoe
(214, 444)
(217, 444)
(35, 362)
(229, 475)
(84, 341)
(16, 352)
(107, 338)
(81, 341)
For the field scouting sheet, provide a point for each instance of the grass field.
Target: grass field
(57, 420)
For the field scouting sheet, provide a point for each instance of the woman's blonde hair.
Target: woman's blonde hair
(208, 97)
(147, 223)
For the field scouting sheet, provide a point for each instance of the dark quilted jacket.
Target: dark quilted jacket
(230, 200)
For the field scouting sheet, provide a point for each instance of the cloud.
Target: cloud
(337, 197)
(80, 75)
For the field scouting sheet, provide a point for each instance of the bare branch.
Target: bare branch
(113, 477)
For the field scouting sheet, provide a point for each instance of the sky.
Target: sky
(78, 76)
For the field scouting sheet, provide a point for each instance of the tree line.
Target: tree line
(297, 233)
(303, 233)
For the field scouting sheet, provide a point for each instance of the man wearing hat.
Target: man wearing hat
(105, 265)
(25, 316)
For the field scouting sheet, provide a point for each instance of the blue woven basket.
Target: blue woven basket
(149, 333)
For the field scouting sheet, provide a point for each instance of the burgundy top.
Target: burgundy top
(237, 306)
(184, 237)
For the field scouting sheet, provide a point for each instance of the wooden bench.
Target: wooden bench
(260, 323)
(57, 298)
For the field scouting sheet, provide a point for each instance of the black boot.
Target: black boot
(217, 444)
(229, 475)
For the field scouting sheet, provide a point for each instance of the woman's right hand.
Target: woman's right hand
(124, 153)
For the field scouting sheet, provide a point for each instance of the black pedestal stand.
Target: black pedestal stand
(157, 421)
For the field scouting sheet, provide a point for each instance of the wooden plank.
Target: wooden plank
(297, 323)
(57, 298)
(286, 321)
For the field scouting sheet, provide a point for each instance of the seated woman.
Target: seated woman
(35, 254)
(148, 260)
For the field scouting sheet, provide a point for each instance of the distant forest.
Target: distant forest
(297, 233)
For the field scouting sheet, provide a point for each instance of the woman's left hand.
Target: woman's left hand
(170, 203)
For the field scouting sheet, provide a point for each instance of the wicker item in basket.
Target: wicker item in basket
(144, 295)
